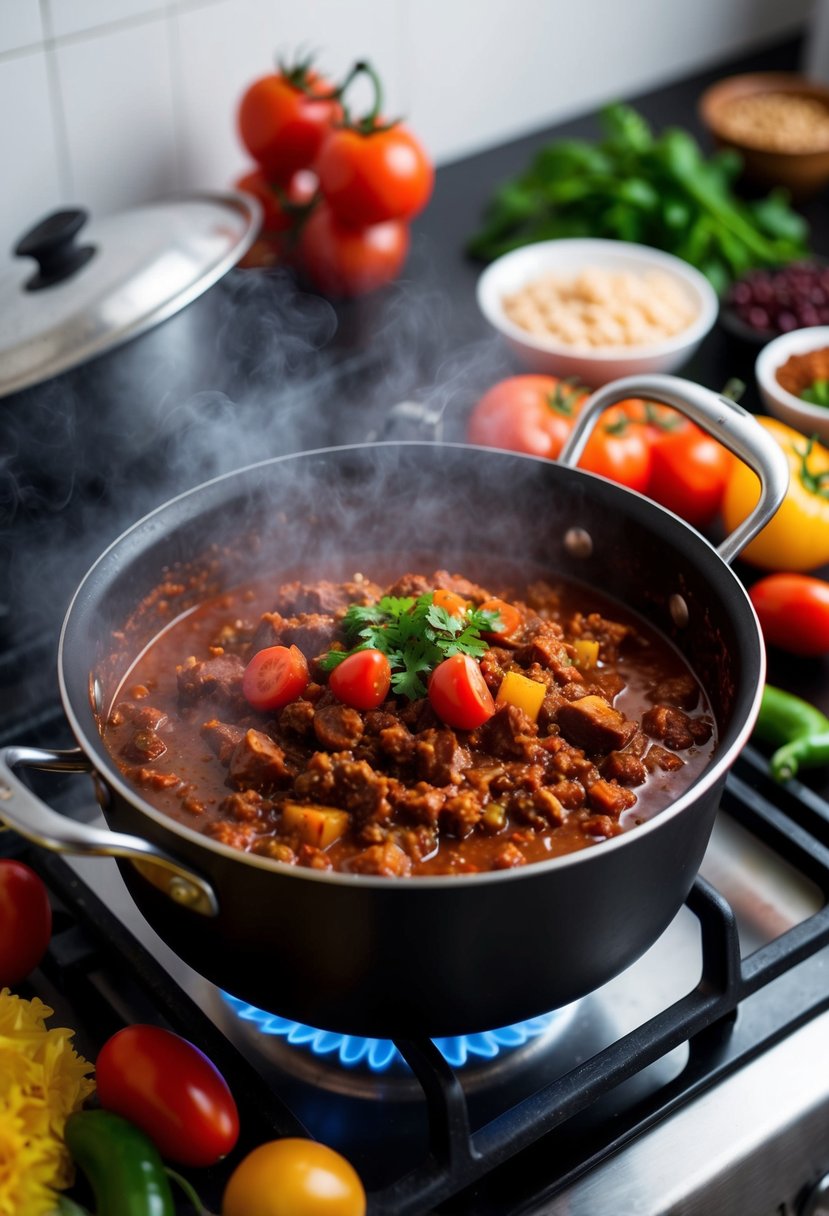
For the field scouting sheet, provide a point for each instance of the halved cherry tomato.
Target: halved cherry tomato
(793, 610)
(458, 693)
(510, 618)
(171, 1091)
(454, 604)
(284, 118)
(689, 473)
(294, 1177)
(368, 177)
(618, 449)
(345, 262)
(532, 414)
(362, 680)
(25, 921)
(274, 677)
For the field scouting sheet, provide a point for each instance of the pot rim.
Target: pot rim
(105, 768)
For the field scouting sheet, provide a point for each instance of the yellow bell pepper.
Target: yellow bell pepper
(587, 652)
(522, 692)
(797, 537)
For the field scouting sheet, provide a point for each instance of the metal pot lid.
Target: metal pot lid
(73, 292)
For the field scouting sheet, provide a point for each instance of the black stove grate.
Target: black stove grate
(99, 976)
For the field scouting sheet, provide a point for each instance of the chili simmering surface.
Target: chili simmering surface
(615, 728)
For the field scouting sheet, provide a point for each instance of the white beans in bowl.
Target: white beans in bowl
(601, 307)
(632, 325)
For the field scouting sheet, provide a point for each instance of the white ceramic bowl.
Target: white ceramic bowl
(596, 365)
(810, 419)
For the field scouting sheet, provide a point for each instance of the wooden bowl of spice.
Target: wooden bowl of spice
(779, 124)
(793, 379)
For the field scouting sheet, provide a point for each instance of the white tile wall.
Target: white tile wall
(111, 102)
(76, 16)
(117, 100)
(20, 24)
(28, 148)
(528, 60)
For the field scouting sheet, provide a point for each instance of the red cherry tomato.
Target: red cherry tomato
(362, 680)
(171, 1091)
(458, 693)
(282, 121)
(344, 262)
(689, 473)
(294, 1177)
(793, 610)
(510, 618)
(619, 449)
(275, 676)
(25, 921)
(532, 414)
(368, 178)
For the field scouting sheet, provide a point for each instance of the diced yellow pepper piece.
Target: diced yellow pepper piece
(522, 692)
(587, 652)
(319, 826)
(494, 816)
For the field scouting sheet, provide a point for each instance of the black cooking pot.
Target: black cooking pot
(431, 955)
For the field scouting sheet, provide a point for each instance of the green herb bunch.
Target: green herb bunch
(415, 635)
(634, 186)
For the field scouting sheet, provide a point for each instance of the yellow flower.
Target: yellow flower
(42, 1080)
(27, 1168)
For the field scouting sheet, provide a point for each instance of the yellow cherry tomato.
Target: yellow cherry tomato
(797, 537)
(294, 1177)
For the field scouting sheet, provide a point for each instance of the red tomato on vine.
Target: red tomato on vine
(284, 118)
(344, 262)
(371, 171)
(369, 176)
(619, 449)
(532, 414)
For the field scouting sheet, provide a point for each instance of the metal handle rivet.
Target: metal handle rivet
(679, 611)
(578, 542)
(183, 892)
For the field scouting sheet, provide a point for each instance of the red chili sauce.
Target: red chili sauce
(622, 728)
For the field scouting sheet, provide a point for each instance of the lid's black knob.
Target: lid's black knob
(52, 244)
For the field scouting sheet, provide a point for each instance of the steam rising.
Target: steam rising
(256, 368)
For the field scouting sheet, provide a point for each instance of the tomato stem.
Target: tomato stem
(368, 124)
(734, 389)
(564, 397)
(815, 483)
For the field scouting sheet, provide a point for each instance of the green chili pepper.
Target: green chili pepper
(67, 1207)
(123, 1166)
(800, 731)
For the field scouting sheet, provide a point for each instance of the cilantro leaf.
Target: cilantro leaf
(415, 635)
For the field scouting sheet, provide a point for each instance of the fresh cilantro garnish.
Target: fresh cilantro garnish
(415, 635)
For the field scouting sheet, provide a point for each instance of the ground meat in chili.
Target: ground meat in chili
(623, 727)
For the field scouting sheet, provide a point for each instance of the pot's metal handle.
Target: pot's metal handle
(22, 810)
(721, 417)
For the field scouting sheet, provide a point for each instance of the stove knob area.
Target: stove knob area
(816, 1202)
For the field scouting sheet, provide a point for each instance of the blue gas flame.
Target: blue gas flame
(381, 1054)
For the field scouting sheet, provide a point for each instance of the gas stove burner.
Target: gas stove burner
(327, 1054)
